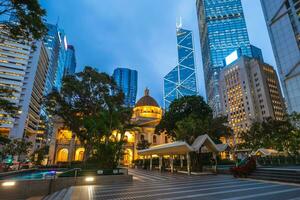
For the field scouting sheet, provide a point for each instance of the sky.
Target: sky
(141, 35)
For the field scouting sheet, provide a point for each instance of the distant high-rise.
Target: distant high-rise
(61, 59)
(52, 43)
(283, 22)
(181, 80)
(250, 92)
(127, 79)
(70, 60)
(222, 30)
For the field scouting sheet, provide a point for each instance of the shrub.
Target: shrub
(244, 170)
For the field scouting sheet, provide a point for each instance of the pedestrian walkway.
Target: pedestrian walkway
(166, 186)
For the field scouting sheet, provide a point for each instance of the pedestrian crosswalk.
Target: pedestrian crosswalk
(166, 186)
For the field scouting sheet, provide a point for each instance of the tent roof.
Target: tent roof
(180, 147)
(206, 141)
(265, 152)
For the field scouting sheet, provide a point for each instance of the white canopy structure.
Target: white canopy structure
(265, 152)
(202, 143)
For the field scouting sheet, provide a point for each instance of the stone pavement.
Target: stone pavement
(164, 186)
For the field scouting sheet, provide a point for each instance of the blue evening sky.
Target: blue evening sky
(141, 35)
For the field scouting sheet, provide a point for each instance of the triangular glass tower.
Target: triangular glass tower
(181, 80)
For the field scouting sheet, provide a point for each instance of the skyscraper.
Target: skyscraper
(32, 94)
(61, 59)
(222, 30)
(52, 43)
(70, 60)
(282, 18)
(181, 80)
(250, 92)
(126, 79)
(14, 59)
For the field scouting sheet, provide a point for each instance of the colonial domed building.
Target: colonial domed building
(146, 116)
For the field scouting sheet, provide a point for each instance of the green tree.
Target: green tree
(17, 147)
(91, 106)
(39, 155)
(143, 144)
(28, 16)
(7, 107)
(190, 117)
(282, 135)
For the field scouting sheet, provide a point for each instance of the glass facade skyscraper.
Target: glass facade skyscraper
(127, 79)
(181, 80)
(222, 30)
(56, 43)
(52, 44)
(70, 60)
(283, 22)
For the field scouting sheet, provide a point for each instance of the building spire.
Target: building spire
(179, 24)
(146, 91)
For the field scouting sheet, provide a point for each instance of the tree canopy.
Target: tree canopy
(9, 108)
(27, 18)
(91, 105)
(282, 135)
(189, 117)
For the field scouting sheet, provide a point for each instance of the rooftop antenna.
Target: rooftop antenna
(179, 24)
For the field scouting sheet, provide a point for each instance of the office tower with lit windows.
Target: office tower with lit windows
(27, 123)
(181, 80)
(23, 69)
(14, 59)
(222, 30)
(249, 92)
(283, 22)
(126, 80)
(70, 61)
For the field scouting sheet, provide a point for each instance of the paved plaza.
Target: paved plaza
(165, 186)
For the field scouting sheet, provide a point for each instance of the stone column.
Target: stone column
(172, 163)
(160, 163)
(150, 162)
(215, 159)
(188, 160)
(143, 166)
(181, 161)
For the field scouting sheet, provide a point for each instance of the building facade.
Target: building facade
(282, 18)
(250, 92)
(222, 29)
(52, 43)
(24, 70)
(70, 61)
(14, 59)
(126, 80)
(146, 116)
(181, 80)
(28, 121)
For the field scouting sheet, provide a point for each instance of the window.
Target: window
(166, 139)
(142, 137)
(154, 139)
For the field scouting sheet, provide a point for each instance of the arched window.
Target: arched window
(166, 139)
(62, 155)
(154, 139)
(142, 137)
